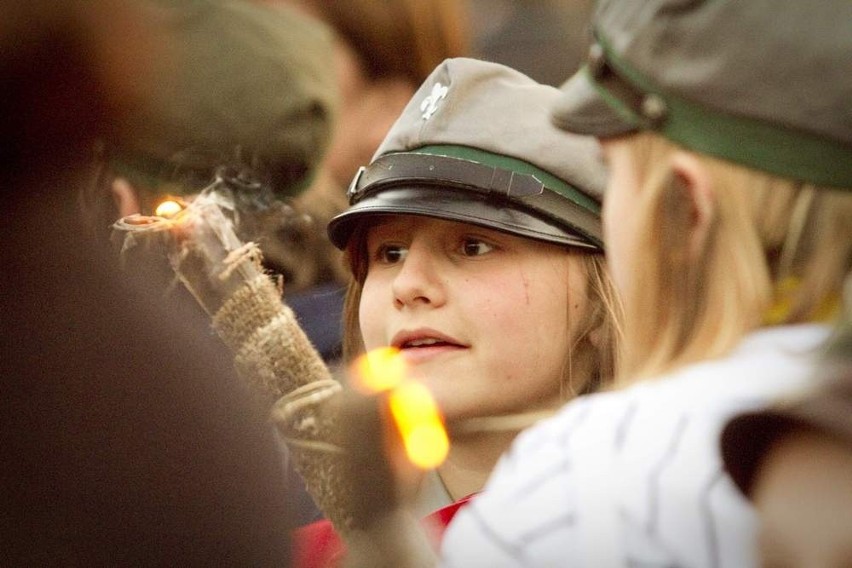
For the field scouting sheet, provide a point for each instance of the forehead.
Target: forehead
(408, 224)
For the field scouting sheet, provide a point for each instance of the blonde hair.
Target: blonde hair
(598, 339)
(776, 252)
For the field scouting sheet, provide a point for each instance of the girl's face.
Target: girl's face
(481, 316)
(619, 211)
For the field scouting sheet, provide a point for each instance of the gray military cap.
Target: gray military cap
(765, 83)
(475, 144)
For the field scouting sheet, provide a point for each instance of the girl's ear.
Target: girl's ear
(697, 184)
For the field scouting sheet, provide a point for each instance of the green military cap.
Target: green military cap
(764, 83)
(475, 144)
(243, 85)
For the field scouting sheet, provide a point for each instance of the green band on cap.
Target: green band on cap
(513, 164)
(749, 141)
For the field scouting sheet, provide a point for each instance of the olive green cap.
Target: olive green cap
(475, 144)
(764, 83)
(246, 85)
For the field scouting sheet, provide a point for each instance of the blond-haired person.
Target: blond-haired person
(728, 224)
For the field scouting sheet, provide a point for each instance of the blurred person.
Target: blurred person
(794, 462)
(251, 92)
(474, 239)
(524, 34)
(250, 103)
(126, 439)
(728, 226)
(384, 50)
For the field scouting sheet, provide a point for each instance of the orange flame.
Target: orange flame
(412, 407)
(380, 370)
(416, 416)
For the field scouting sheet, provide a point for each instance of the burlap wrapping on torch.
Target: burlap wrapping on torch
(272, 352)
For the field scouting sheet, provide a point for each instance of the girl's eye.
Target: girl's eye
(391, 254)
(475, 247)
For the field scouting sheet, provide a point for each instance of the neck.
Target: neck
(470, 461)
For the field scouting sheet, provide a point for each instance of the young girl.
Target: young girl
(727, 222)
(474, 239)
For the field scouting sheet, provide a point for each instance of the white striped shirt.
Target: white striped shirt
(634, 477)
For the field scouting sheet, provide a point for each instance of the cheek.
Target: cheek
(532, 334)
(371, 315)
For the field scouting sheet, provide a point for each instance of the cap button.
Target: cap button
(654, 108)
(596, 60)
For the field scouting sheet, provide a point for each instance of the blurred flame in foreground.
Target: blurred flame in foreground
(380, 370)
(419, 422)
(412, 406)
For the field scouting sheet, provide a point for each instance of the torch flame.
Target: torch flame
(380, 370)
(416, 416)
(412, 407)
(168, 209)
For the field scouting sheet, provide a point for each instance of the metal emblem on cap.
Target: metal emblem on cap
(654, 108)
(430, 103)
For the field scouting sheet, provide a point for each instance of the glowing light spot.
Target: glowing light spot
(379, 370)
(168, 209)
(420, 424)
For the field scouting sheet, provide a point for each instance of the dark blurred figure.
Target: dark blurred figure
(247, 95)
(384, 50)
(126, 438)
(250, 90)
(545, 39)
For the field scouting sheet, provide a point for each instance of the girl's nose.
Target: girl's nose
(418, 281)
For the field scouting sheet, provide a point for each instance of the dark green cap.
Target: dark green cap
(244, 85)
(475, 144)
(764, 83)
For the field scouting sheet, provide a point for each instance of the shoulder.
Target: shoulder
(644, 459)
(766, 364)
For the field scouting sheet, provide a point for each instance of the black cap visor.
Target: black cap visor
(453, 205)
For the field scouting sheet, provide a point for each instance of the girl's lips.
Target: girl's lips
(423, 344)
(414, 355)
